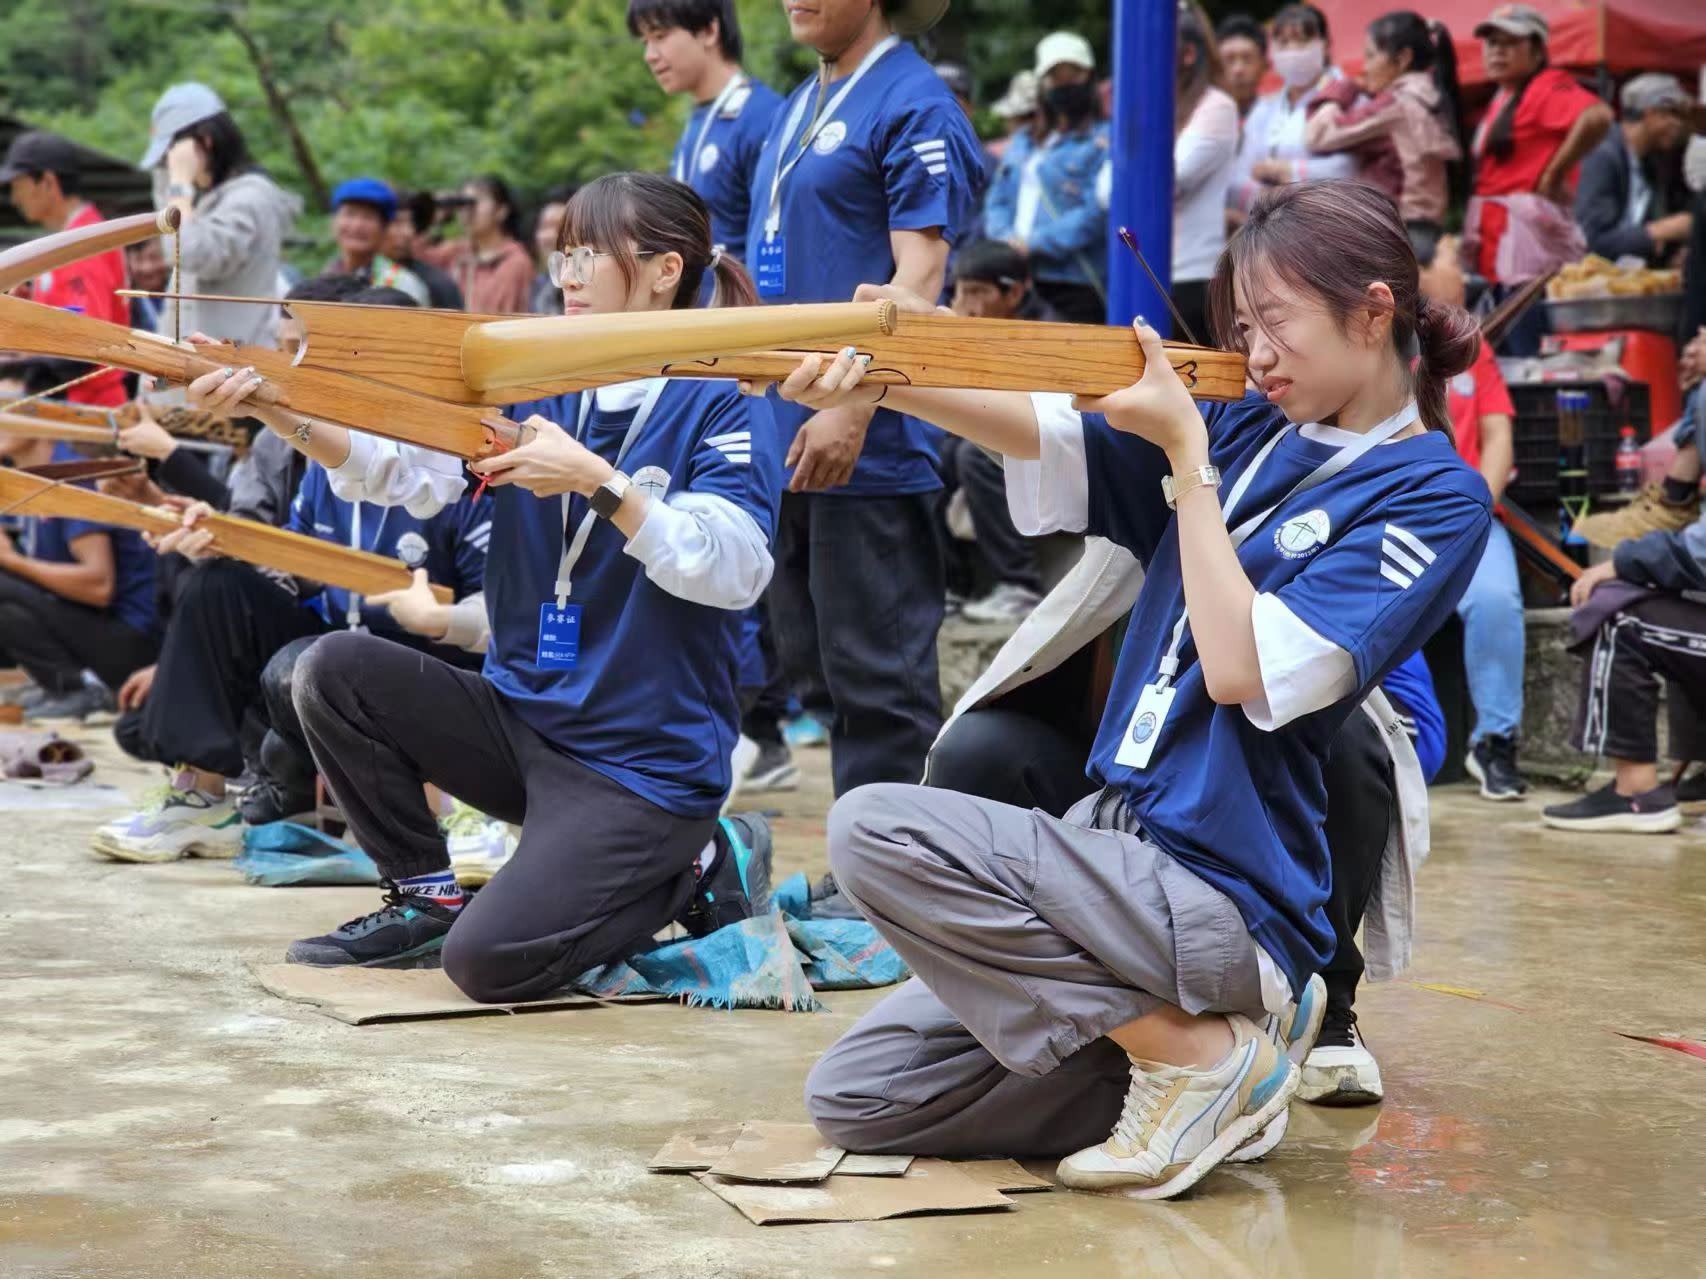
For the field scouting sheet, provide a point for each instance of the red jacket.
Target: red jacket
(89, 286)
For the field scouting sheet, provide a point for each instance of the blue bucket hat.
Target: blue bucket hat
(366, 191)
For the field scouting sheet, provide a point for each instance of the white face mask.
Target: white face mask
(1694, 163)
(1300, 68)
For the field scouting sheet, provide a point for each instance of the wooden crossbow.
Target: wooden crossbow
(434, 378)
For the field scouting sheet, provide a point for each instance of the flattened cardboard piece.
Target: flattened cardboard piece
(361, 996)
(1002, 1174)
(695, 1149)
(778, 1152)
(873, 1165)
(929, 1186)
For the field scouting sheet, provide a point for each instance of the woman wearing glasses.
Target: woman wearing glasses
(628, 534)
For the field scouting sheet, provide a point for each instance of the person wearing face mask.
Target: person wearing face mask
(1535, 131)
(1054, 215)
(235, 217)
(1274, 150)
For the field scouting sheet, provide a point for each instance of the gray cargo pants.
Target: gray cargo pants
(1031, 938)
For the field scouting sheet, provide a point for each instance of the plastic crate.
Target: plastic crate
(1537, 448)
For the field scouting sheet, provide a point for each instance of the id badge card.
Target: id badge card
(1144, 730)
(559, 636)
(769, 269)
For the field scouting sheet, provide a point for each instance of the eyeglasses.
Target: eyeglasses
(576, 266)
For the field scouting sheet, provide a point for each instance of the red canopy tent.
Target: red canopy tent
(1625, 36)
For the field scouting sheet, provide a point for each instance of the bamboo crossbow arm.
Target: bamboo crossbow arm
(247, 540)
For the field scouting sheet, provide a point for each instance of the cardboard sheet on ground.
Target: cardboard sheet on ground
(361, 996)
(852, 1165)
(695, 1149)
(1002, 1174)
(929, 1186)
(778, 1153)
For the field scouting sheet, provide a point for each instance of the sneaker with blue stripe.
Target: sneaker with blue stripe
(1178, 1123)
(1294, 1030)
(736, 885)
(172, 823)
(408, 927)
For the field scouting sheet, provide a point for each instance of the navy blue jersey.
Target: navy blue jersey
(650, 701)
(897, 155)
(49, 538)
(450, 546)
(717, 159)
(1373, 559)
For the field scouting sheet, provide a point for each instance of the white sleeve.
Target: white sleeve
(470, 628)
(387, 473)
(704, 549)
(1052, 493)
(1302, 671)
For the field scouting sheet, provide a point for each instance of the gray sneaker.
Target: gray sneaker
(79, 703)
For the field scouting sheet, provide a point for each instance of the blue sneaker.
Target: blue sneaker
(804, 731)
(737, 884)
(409, 926)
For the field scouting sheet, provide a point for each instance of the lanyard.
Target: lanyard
(352, 604)
(773, 219)
(686, 166)
(571, 555)
(1169, 665)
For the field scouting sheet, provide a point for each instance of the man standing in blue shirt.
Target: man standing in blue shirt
(694, 47)
(869, 175)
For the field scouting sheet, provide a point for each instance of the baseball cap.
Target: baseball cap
(914, 17)
(39, 152)
(366, 191)
(956, 77)
(1064, 47)
(1655, 91)
(1520, 20)
(178, 108)
(1020, 98)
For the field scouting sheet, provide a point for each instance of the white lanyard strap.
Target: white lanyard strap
(784, 163)
(352, 605)
(577, 545)
(1169, 664)
(686, 166)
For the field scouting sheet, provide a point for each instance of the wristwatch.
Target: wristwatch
(608, 496)
(180, 191)
(1196, 478)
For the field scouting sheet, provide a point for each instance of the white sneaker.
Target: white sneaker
(173, 824)
(1293, 1031)
(1006, 603)
(1179, 1123)
(741, 760)
(1341, 1073)
(479, 845)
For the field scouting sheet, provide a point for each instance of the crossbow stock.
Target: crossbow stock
(433, 378)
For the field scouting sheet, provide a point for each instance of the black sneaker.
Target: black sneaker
(407, 927)
(829, 902)
(736, 885)
(266, 801)
(1691, 791)
(79, 703)
(1492, 762)
(774, 769)
(1604, 809)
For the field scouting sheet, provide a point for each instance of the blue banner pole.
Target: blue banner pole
(1141, 152)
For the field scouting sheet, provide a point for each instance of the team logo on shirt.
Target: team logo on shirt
(1463, 384)
(1403, 556)
(831, 136)
(1303, 535)
(652, 481)
(1143, 727)
(708, 157)
(412, 549)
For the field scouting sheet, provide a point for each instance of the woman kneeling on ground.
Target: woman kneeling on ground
(1107, 971)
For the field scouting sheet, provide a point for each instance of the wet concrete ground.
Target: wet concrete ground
(164, 1116)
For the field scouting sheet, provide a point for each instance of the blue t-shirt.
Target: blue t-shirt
(1374, 560)
(49, 538)
(721, 169)
(651, 701)
(899, 155)
(450, 546)
(1410, 686)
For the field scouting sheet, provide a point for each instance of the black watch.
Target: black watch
(608, 496)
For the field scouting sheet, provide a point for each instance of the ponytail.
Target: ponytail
(1450, 106)
(1445, 341)
(731, 284)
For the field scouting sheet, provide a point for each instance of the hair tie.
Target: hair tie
(716, 256)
